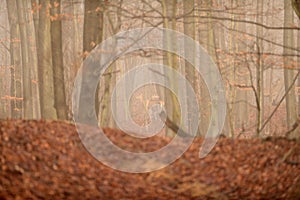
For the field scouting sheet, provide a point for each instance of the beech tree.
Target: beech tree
(288, 40)
(15, 54)
(113, 18)
(259, 68)
(189, 30)
(93, 31)
(57, 61)
(44, 48)
(169, 21)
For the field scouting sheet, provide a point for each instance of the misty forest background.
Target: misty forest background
(255, 44)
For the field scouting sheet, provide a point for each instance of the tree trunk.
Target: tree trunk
(92, 32)
(4, 71)
(72, 46)
(259, 68)
(27, 88)
(57, 61)
(45, 63)
(170, 60)
(211, 48)
(232, 76)
(15, 54)
(76, 42)
(110, 75)
(204, 95)
(189, 30)
(241, 108)
(32, 53)
(35, 15)
(2, 104)
(288, 41)
(298, 64)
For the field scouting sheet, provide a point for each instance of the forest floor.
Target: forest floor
(46, 160)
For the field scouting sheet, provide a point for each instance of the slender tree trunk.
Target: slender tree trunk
(270, 102)
(2, 107)
(15, 54)
(204, 95)
(3, 112)
(232, 80)
(32, 53)
(71, 45)
(46, 87)
(35, 71)
(27, 88)
(170, 59)
(114, 65)
(110, 75)
(77, 45)
(106, 101)
(288, 41)
(270, 76)
(298, 65)
(211, 48)
(260, 67)
(221, 38)
(4, 70)
(35, 15)
(57, 61)
(189, 30)
(93, 31)
(241, 111)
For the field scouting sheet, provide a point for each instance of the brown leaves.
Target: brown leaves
(42, 159)
(196, 189)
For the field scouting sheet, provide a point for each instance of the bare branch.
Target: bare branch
(281, 100)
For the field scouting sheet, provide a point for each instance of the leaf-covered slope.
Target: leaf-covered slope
(45, 160)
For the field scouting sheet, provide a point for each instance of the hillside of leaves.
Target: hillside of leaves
(46, 160)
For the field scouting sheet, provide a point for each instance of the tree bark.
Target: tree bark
(242, 76)
(189, 30)
(211, 48)
(35, 15)
(288, 41)
(298, 64)
(204, 95)
(170, 60)
(260, 68)
(46, 87)
(93, 32)
(114, 21)
(32, 53)
(27, 80)
(5, 111)
(15, 54)
(57, 61)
